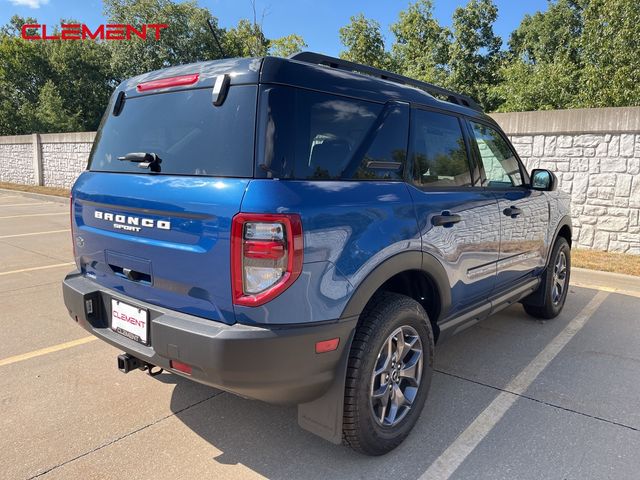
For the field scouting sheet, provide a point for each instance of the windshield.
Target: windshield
(185, 130)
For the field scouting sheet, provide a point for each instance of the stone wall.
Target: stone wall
(16, 160)
(596, 155)
(64, 156)
(52, 159)
(594, 152)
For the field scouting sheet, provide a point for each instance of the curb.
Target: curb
(40, 196)
(607, 281)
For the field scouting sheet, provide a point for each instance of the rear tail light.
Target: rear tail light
(266, 256)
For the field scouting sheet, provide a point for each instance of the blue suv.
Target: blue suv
(303, 230)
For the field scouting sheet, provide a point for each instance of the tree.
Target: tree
(23, 72)
(609, 45)
(421, 50)
(286, 46)
(475, 52)
(543, 65)
(544, 86)
(56, 86)
(188, 38)
(49, 83)
(53, 114)
(364, 42)
(246, 40)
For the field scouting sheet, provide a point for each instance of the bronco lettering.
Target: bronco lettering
(129, 223)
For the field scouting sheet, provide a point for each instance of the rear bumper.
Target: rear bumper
(276, 365)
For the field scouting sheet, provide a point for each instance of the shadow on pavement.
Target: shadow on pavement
(267, 439)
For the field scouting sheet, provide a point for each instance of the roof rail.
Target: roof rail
(434, 90)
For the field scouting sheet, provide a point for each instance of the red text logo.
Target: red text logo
(80, 31)
(128, 319)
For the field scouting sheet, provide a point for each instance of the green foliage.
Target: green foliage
(286, 46)
(578, 53)
(364, 42)
(421, 50)
(52, 113)
(609, 45)
(465, 59)
(475, 51)
(245, 40)
(51, 86)
(56, 86)
(543, 65)
(188, 38)
(547, 86)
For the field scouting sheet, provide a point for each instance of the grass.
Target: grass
(606, 261)
(591, 259)
(57, 191)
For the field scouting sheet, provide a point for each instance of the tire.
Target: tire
(369, 426)
(555, 283)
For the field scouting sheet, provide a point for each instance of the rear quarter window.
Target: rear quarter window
(317, 136)
(189, 134)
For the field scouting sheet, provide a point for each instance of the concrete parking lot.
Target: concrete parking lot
(512, 397)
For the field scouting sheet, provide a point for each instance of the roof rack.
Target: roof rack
(434, 90)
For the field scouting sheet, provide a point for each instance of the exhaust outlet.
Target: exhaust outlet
(127, 362)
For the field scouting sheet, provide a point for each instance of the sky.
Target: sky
(318, 21)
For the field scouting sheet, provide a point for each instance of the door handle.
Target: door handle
(446, 219)
(512, 212)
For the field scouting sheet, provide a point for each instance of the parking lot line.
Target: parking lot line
(31, 269)
(34, 233)
(449, 461)
(35, 215)
(24, 204)
(44, 351)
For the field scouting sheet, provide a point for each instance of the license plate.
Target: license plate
(130, 321)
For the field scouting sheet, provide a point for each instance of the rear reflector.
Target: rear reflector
(73, 240)
(168, 82)
(327, 345)
(181, 367)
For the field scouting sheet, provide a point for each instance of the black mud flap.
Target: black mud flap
(323, 416)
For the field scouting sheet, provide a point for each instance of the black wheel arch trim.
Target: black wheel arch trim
(401, 262)
(323, 416)
(565, 221)
(537, 298)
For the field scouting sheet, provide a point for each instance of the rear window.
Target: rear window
(318, 136)
(189, 134)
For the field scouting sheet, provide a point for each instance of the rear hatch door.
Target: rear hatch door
(161, 233)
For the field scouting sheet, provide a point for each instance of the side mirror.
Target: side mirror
(543, 180)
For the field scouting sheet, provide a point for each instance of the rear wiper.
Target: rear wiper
(143, 159)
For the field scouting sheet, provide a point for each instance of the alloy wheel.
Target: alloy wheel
(396, 376)
(559, 278)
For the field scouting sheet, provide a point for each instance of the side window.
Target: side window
(438, 150)
(318, 136)
(500, 165)
(385, 147)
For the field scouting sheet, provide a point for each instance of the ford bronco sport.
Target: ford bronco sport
(303, 230)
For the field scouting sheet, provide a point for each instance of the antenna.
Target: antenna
(215, 37)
